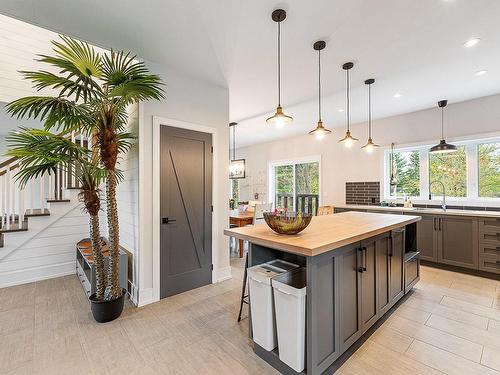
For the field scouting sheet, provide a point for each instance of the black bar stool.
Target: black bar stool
(244, 298)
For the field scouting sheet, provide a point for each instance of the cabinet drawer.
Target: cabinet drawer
(489, 250)
(412, 273)
(489, 224)
(490, 237)
(489, 264)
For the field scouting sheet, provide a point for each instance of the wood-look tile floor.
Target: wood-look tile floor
(449, 325)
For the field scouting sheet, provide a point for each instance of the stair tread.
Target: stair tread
(37, 212)
(15, 227)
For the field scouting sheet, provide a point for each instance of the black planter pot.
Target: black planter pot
(106, 311)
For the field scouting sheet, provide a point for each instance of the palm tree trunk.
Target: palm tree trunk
(114, 289)
(95, 236)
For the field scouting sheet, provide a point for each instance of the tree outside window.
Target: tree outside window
(451, 170)
(407, 173)
(489, 170)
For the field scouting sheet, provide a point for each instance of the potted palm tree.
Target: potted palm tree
(94, 91)
(41, 152)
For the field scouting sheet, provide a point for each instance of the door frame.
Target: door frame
(156, 217)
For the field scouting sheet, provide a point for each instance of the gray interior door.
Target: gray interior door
(185, 207)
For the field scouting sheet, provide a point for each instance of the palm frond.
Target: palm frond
(41, 152)
(129, 79)
(56, 112)
(71, 88)
(76, 58)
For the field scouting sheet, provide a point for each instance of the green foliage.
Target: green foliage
(489, 170)
(41, 152)
(407, 172)
(306, 180)
(451, 170)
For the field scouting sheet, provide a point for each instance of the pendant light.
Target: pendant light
(369, 146)
(348, 140)
(320, 130)
(279, 118)
(236, 166)
(443, 147)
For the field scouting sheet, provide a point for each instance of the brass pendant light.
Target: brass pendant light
(369, 146)
(279, 119)
(348, 140)
(320, 131)
(443, 147)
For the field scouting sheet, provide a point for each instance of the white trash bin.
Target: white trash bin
(261, 301)
(290, 302)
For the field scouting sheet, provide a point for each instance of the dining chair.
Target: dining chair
(258, 213)
(325, 210)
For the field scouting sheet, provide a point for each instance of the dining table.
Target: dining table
(240, 219)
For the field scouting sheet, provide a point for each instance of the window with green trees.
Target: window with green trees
(294, 179)
(451, 170)
(407, 174)
(489, 170)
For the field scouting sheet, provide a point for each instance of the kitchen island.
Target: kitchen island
(358, 266)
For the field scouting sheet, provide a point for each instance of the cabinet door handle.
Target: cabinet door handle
(360, 250)
(391, 246)
(440, 221)
(434, 223)
(364, 259)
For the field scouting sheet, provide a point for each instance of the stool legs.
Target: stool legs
(244, 298)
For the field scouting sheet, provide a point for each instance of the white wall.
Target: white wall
(197, 102)
(339, 165)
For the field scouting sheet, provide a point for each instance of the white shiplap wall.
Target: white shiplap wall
(44, 251)
(128, 196)
(20, 45)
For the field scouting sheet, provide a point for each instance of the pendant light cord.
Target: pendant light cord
(319, 84)
(234, 142)
(348, 101)
(279, 64)
(369, 111)
(442, 122)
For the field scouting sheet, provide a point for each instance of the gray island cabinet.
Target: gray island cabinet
(355, 270)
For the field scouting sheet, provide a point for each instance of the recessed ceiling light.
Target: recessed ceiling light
(481, 72)
(341, 110)
(397, 95)
(471, 42)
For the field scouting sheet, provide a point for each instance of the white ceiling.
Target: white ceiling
(411, 47)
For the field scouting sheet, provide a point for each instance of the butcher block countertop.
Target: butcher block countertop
(324, 233)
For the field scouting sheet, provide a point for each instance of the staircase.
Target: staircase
(40, 224)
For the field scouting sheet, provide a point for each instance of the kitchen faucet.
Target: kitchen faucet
(443, 203)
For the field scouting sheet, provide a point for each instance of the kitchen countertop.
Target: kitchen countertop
(324, 233)
(417, 210)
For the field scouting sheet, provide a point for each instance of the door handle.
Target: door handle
(434, 223)
(166, 220)
(440, 222)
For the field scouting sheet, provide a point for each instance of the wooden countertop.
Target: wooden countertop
(423, 211)
(324, 233)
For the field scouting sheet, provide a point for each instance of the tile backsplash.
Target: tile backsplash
(363, 193)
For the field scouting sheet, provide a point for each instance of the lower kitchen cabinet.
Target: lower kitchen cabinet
(396, 265)
(426, 238)
(458, 241)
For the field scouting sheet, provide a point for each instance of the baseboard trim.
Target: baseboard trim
(44, 273)
(223, 274)
(145, 297)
